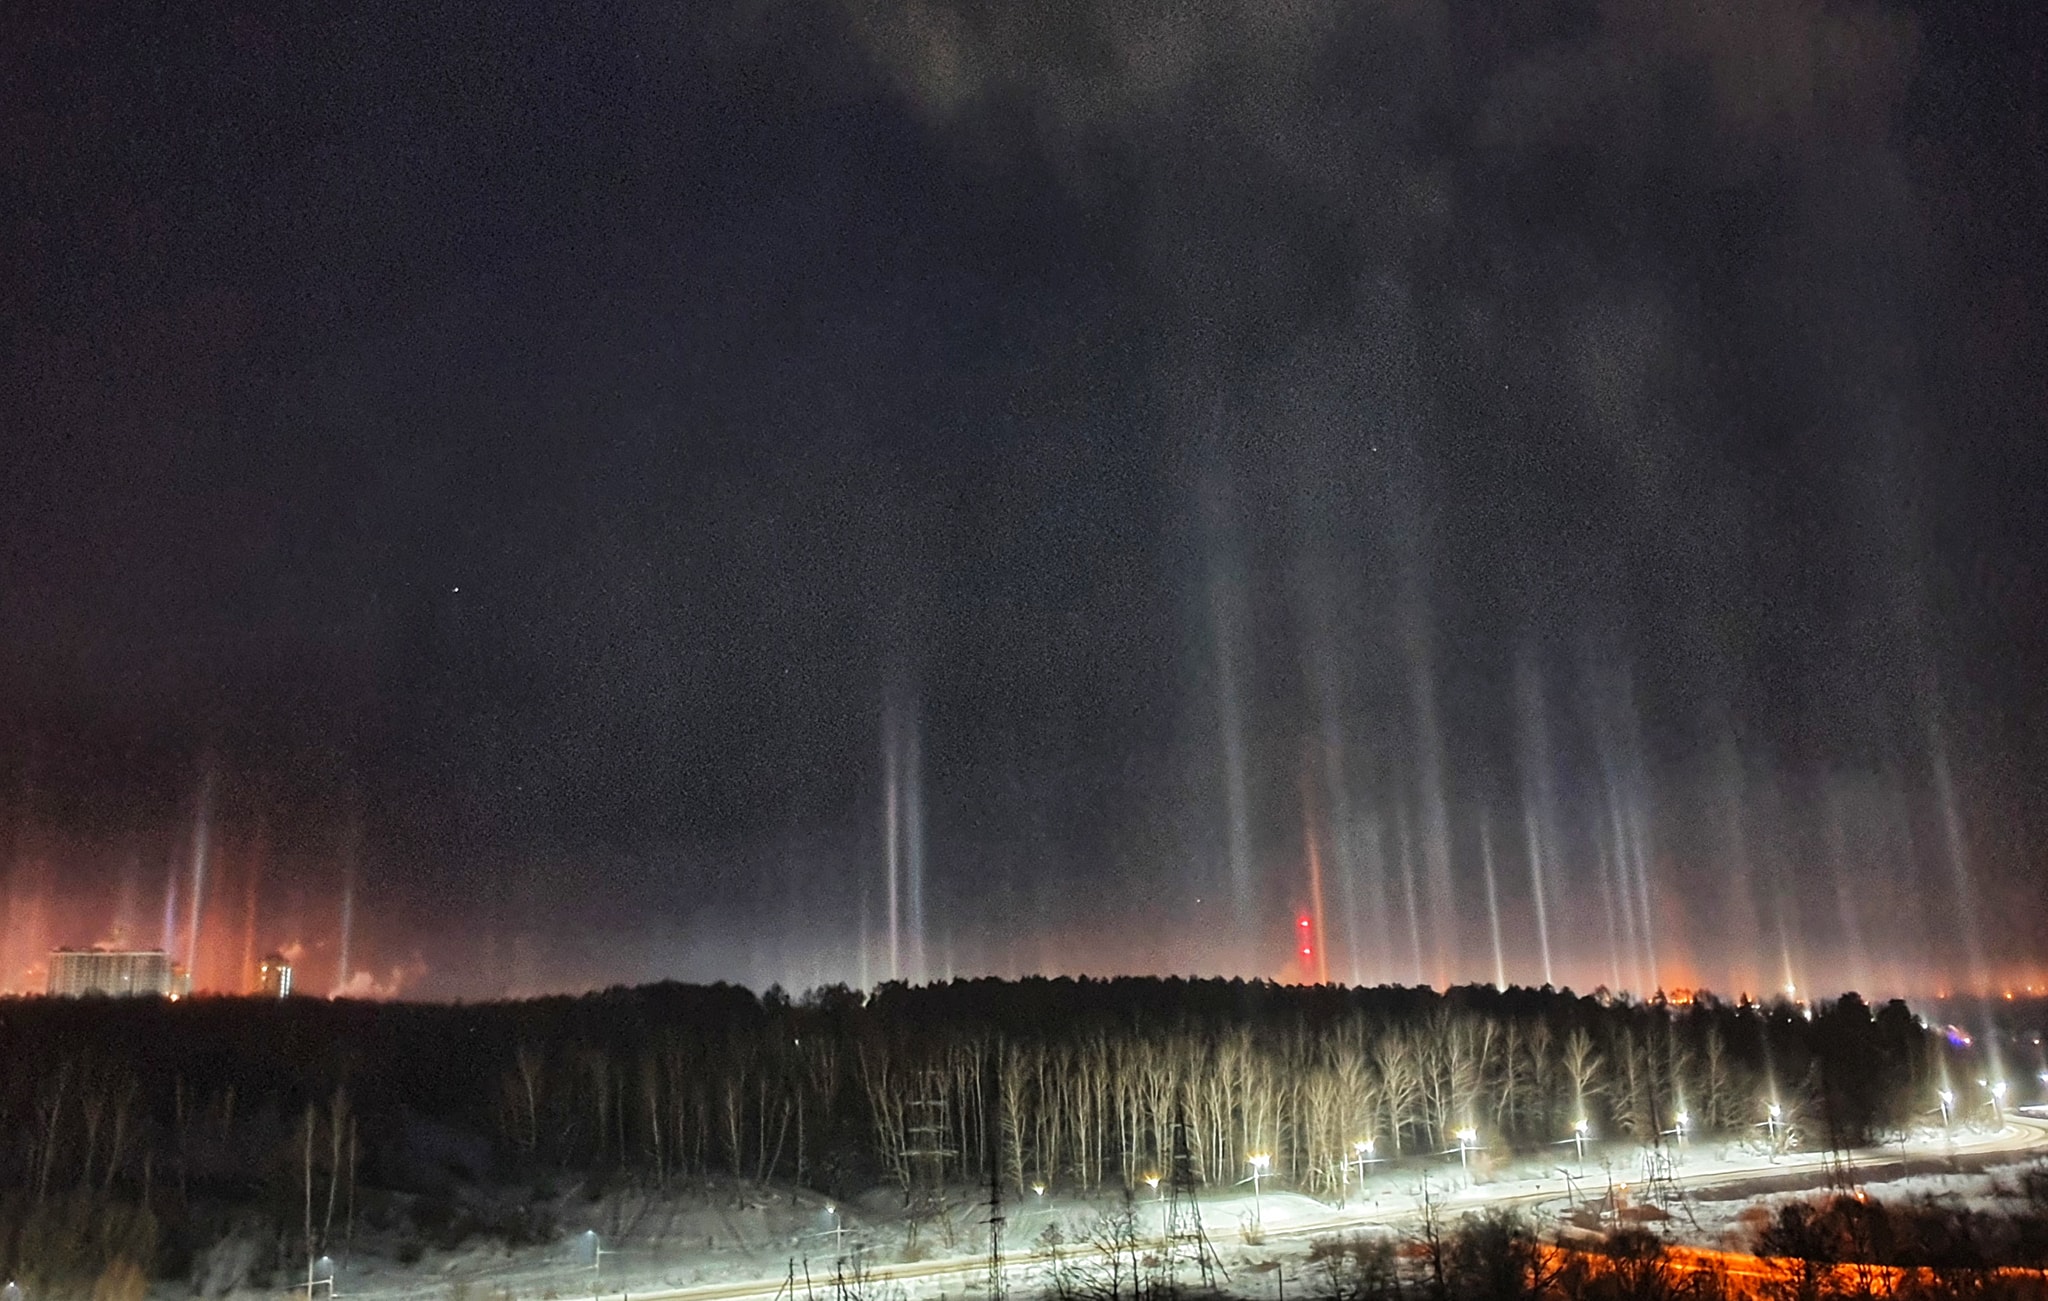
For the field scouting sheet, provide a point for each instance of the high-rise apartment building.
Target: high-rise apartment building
(114, 973)
(274, 977)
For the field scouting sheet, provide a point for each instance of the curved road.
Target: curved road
(2020, 1135)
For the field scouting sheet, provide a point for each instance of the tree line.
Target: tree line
(163, 1119)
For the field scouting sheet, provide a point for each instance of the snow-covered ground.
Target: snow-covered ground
(732, 1240)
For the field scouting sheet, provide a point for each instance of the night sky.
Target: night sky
(572, 485)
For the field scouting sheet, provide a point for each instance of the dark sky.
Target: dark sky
(555, 463)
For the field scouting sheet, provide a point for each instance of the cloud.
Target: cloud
(1770, 64)
(367, 985)
(1257, 148)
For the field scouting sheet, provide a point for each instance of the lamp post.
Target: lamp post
(1362, 1156)
(1468, 1138)
(1580, 1130)
(1260, 1163)
(1774, 1121)
(598, 1252)
(837, 1232)
(318, 1272)
(1947, 1099)
(1998, 1103)
(1680, 1123)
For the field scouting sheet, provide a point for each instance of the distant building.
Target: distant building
(274, 977)
(113, 973)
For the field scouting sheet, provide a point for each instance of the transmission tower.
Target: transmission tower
(992, 1148)
(1660, 1183)
(1184, 1234)
(926, 1152)
(996, 1219)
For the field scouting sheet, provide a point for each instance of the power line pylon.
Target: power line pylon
(1184, 1234)
(992, 1148)
(927, 1154)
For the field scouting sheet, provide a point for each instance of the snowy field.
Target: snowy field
(732, 1240)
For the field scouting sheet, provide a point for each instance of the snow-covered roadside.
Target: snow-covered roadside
(735, 1240)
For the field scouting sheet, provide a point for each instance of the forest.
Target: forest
(134, 1133)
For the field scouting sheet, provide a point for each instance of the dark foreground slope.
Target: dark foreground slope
(134, 1134)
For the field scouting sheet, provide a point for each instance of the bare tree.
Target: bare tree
(1582, 1070)
(1400, 1083)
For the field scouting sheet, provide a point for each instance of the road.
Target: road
(2020, 1135)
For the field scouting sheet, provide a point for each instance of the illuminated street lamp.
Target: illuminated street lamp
(1998, 1102)
(1260, 1163)
(598, 1251)
(1468, 1138)
(1679, 1125)
(1580, 1132)
(838, 1230)
(1774, 1122)
(319, 1272)
(1948, 1106)
(1361, 1156)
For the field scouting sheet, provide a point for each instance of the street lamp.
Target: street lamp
(837, 1232)
(1948, 1105)
(1260, 1163)
(1361, 1156)
(1774, 1121)
(1580, 1131)
(1468, 1138)
(598, 1251)
(1998, 1102)
(1679, 1123)
(318, 1272)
